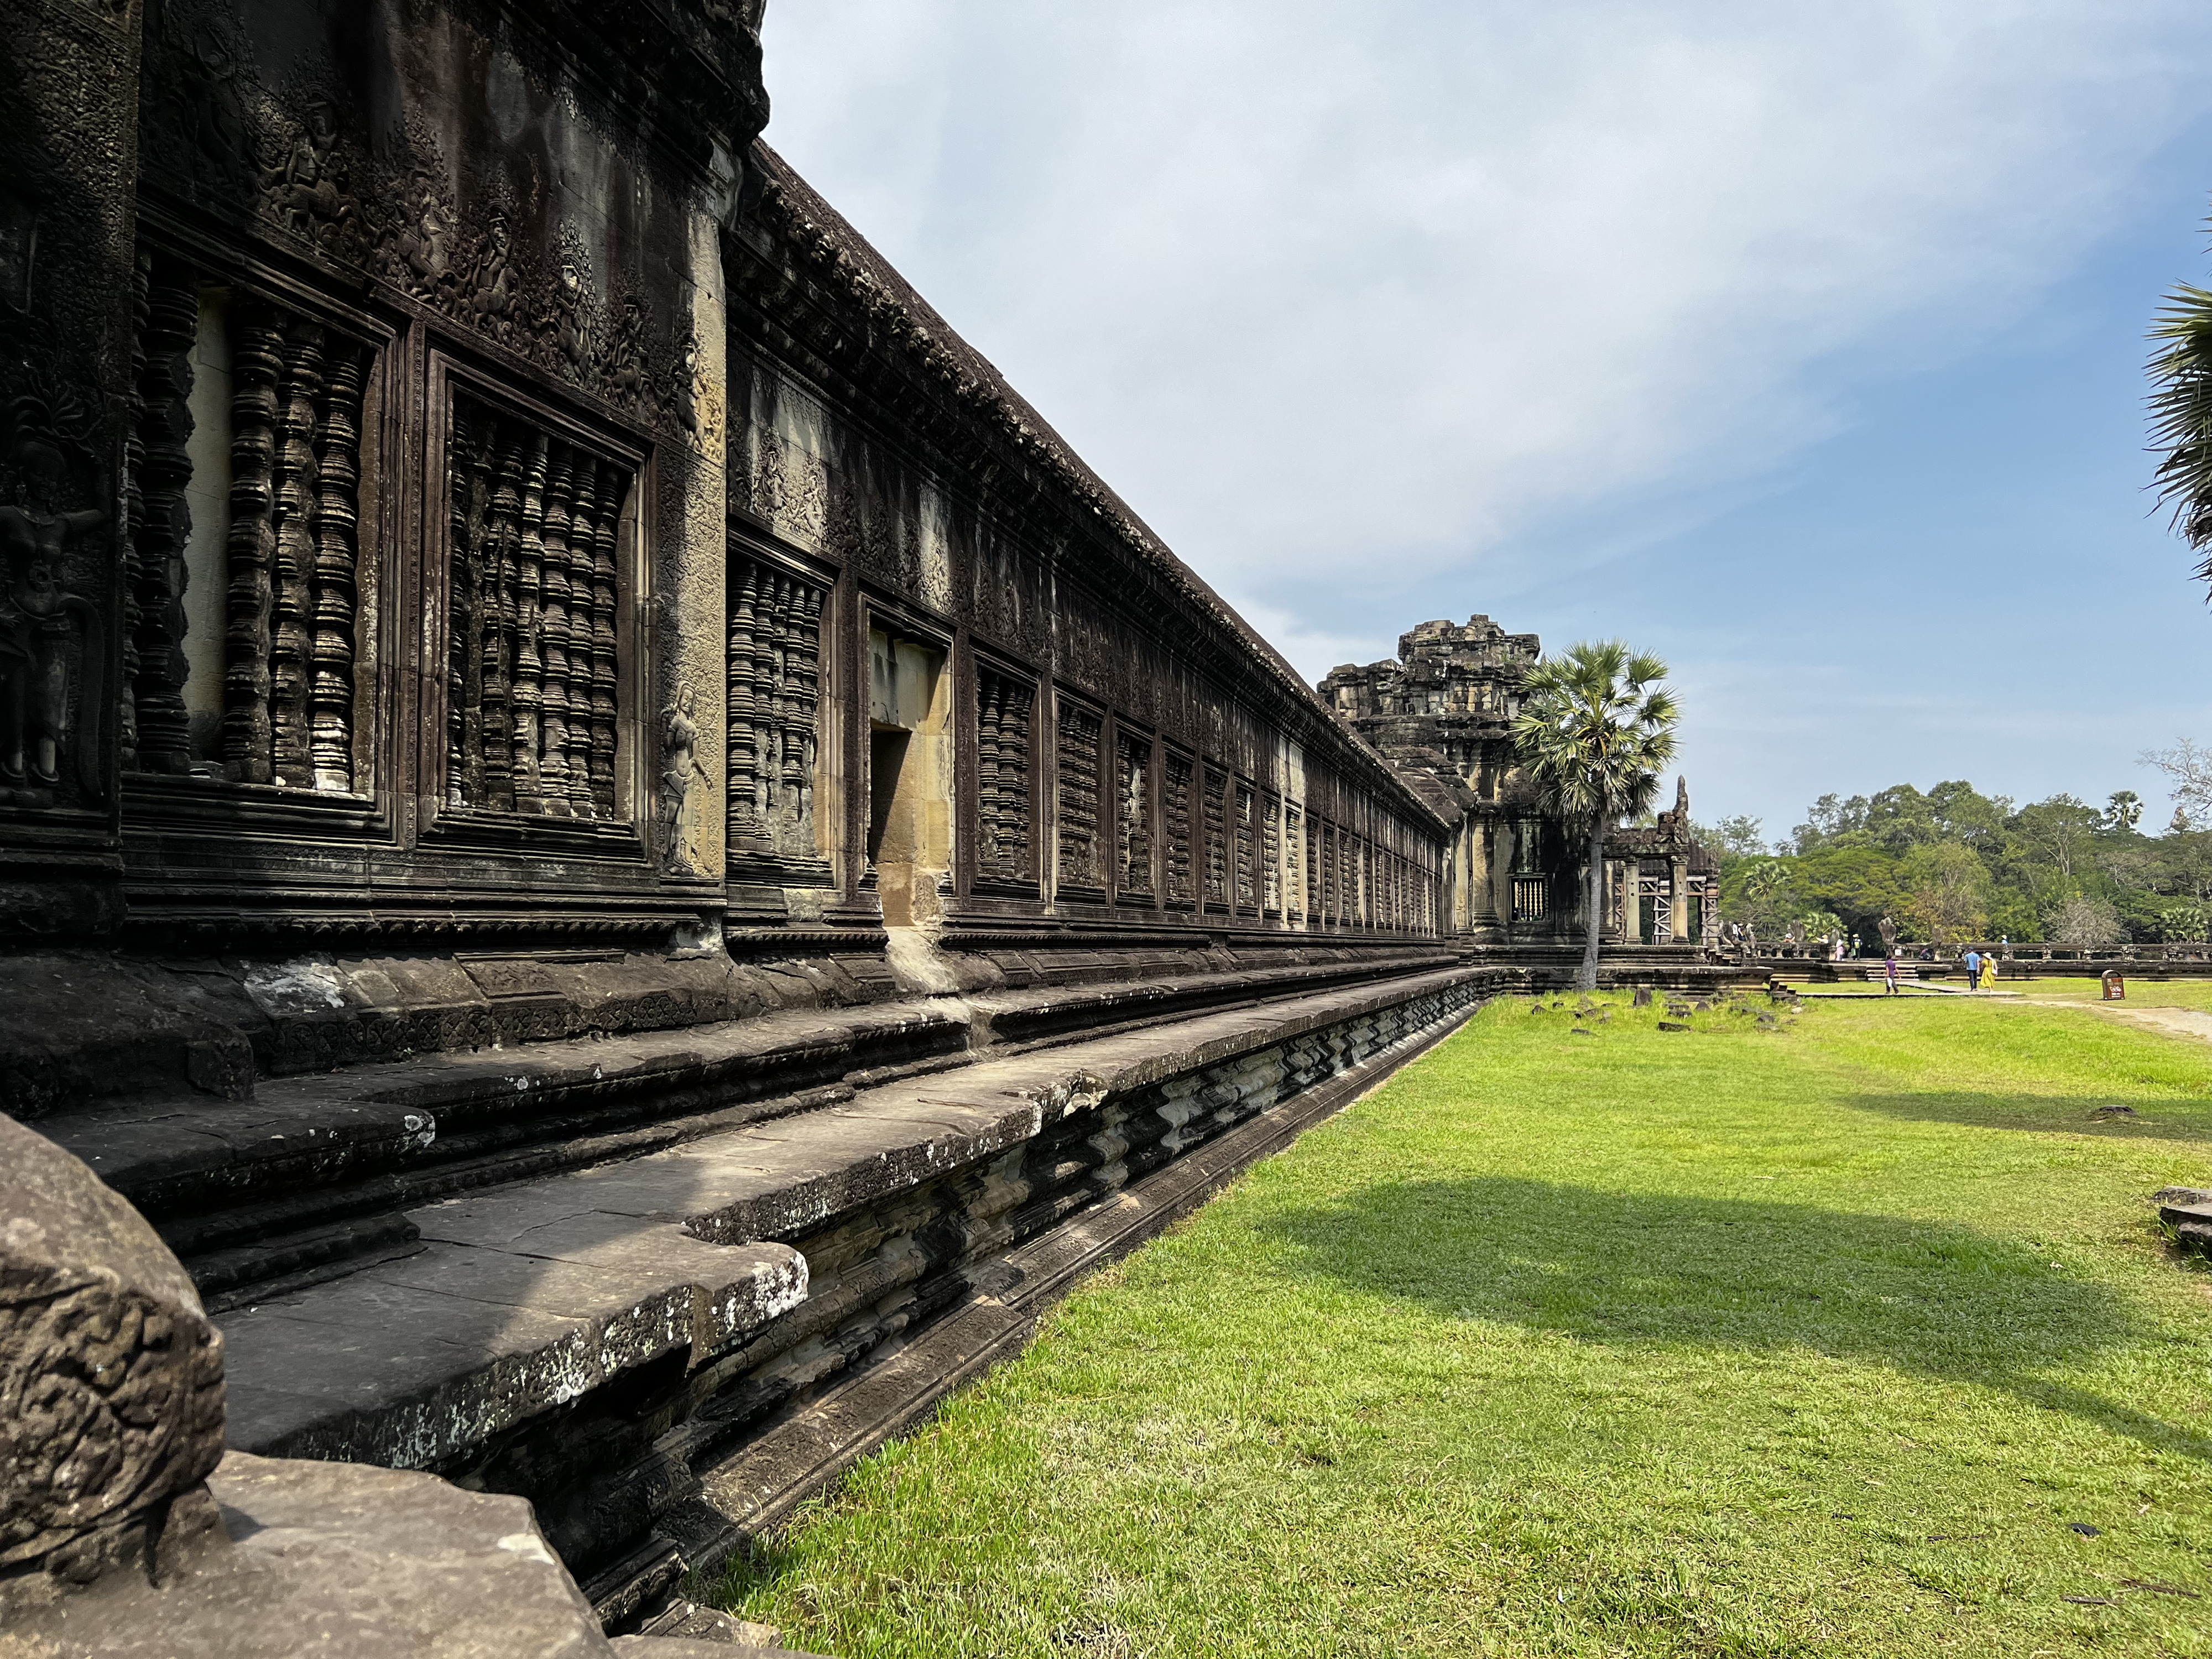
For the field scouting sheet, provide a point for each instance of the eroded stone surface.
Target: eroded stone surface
(110, 1377)
(340, 1561)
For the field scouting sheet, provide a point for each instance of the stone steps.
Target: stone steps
(314, 1175)
(596, 1339)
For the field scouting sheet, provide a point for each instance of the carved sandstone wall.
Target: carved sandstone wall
(1129, 755)
(481, 474)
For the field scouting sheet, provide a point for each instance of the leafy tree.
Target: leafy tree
(1594, 729)
(1856, 856)
(1830, 819)
(1825, 926)
(1859, 883)
(1963, 813)
(2185, 864)
(2060, 830)
(1947, 891)
(1739, 837)
(2181, 922)
(1759, 892)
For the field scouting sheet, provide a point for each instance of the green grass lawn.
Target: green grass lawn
(1855, 1337)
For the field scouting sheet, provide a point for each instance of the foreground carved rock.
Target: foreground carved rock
(128, 1531)
(111, 1378)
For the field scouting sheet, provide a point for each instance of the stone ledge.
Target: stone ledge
(534, 1296)
(755, 1490)
(309, 1177)
(399, 1364)
(89, 1025)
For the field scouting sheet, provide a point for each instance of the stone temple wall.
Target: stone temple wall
(1137, 757)
(472, 497)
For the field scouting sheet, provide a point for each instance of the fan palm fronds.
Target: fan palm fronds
(1595, 729)
(2181, 413)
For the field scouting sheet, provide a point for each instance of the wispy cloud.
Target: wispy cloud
(1381, 310)
(1304, 278)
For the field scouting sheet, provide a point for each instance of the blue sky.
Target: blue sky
(1803, 344)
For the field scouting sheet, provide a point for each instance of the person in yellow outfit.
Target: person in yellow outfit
(1989, 970)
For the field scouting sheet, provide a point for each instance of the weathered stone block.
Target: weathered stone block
(110, 1377)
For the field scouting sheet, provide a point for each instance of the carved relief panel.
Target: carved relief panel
(53, 638)
(775, 666)
(1134, 776)
(535, 687)
(1002, 830)
(246, 580)
(1076, 799)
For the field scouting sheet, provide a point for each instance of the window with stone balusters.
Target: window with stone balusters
(1133, 825)
(534, 690)
(1003, 817)
(1079, 865)
(246, 575)
(1175, 817)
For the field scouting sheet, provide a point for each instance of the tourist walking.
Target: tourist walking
(1889, 971)
(1973, 969)
(1989, 970)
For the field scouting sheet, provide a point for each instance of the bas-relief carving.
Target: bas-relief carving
(681, 773)
(933, 551)
(53, 648)
(788, 487)
(296, 157)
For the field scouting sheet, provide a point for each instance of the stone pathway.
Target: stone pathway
(2174, 1022)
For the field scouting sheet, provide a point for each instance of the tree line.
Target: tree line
(1951, 865)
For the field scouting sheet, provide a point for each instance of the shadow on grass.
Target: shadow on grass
(2151, 1120)
(1616, 1267)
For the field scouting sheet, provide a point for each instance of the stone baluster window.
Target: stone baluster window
(1247, 885)
(1217, 840)
(1176, 815)
(774, 669)
(1133, 767)
(1003, 703)
(243, 595)
(1296, 861)
(534, 692)
(1080, 731)
(1271, 855)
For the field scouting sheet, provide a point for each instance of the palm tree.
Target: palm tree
(1594, 730)
(2181, 413)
